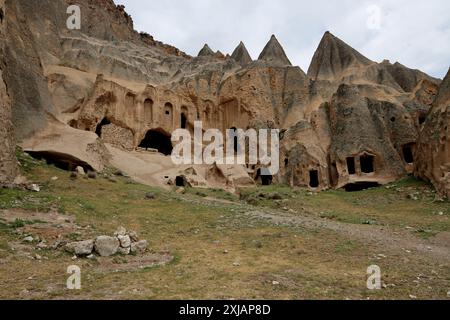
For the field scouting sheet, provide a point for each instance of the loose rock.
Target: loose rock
(34, 187)
(81, 248)
(92, 175)
(124, 251)
(133, 236)
(139, 247)
(106, 246)
(121, 231)
(125, 241)
(28, 239)
(150, 196)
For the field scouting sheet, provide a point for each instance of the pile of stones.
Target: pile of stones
(123, 243)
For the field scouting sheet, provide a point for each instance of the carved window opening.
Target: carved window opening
(367, 163)
(351, 167)
(314, 179)
(408, 155)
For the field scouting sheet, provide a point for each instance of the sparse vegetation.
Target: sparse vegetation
(219, 250)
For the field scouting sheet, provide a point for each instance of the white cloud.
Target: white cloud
(415, 33)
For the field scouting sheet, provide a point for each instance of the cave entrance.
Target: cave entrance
(60, 160)
(367, 163)
(180, 181)
(408, 155)
(422, 119)
(265, 176)
(157, 140)
(360, 186)
(314, 179)
(351, 167)
(98, 129)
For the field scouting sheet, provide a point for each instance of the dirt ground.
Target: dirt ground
(209, 244)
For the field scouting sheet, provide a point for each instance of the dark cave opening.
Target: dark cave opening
(265, 176)
(408, 155)
(98, 129)
(183, 121)
(60, 160)
(422, 119)
(367, 163)
(180, 181)
(360, 186)
(314, 178)
(157, 140)
(351, 166)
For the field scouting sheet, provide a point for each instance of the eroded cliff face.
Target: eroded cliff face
(368, 138)
(8, 162)
(349, 122)
(433, 152)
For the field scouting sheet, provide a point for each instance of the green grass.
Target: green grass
(386, 206)
(219, 252)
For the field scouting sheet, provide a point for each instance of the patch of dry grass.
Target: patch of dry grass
(219, 253)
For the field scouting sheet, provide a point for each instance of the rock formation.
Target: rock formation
(433, 150)
(241, 55)
(273, 52)
(8, 162)
(206, 52)
(107, 94)
(333, 58)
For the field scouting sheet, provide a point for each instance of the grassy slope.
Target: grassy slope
(262, 260)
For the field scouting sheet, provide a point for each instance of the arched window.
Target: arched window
(408, 154)
(184, 117)
(168, 109)
(148, 110)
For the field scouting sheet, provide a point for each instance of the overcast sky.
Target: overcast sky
(415, 33)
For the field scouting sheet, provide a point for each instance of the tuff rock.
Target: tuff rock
(108, 95)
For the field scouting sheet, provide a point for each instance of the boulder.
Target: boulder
(106, 246)
(133, 236)
(28, 239)
(139, 247)
(150, 196)
(125, 241)
(81, 248)
(124, 251)
(121, 231)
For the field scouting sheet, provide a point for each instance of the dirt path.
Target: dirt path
(383, 237)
